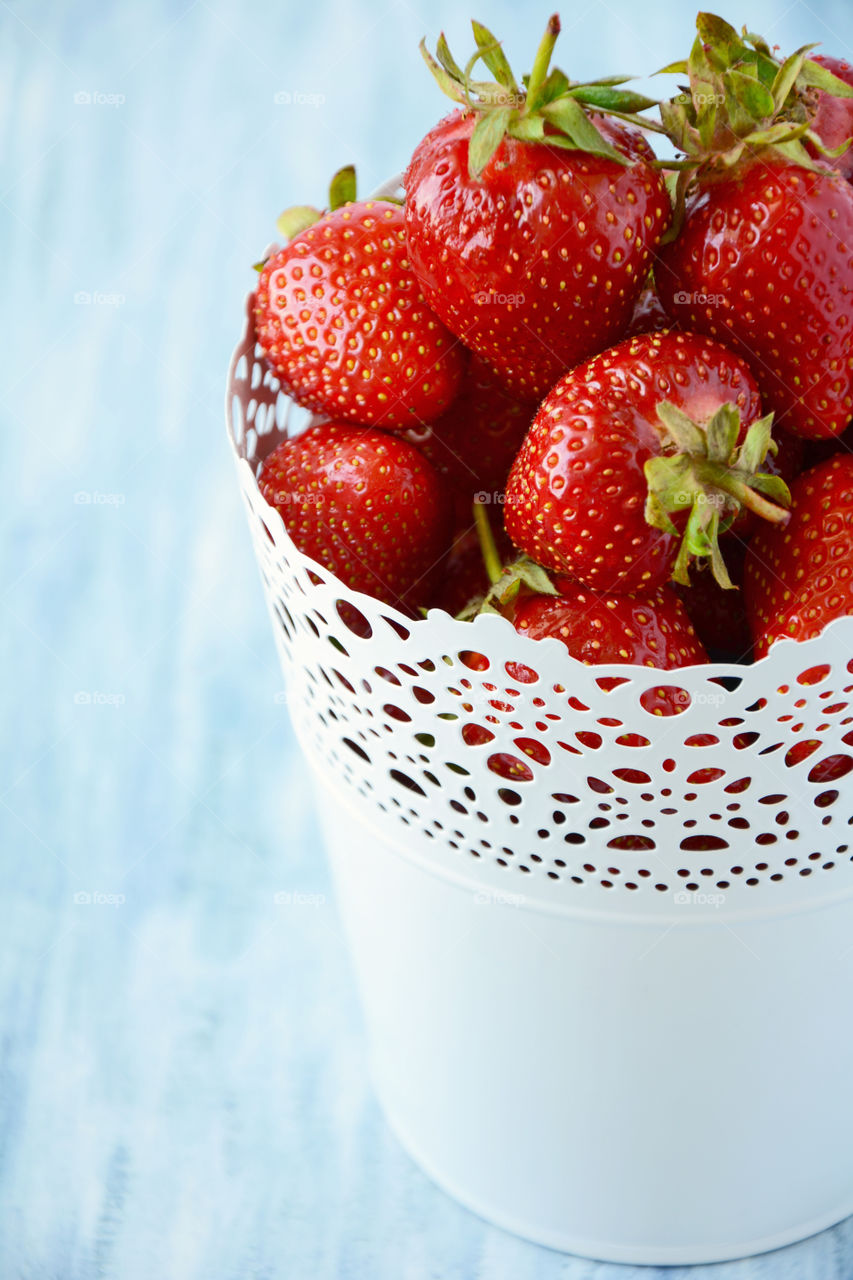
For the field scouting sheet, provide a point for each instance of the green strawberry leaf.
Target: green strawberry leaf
(611, 99)
(554, 86)
(299, 218)
(528, 128)
(786, 77)
(447, 60)
(493, 56)
(773, 487)
(721, 434)
(756, 100)
(683, 431)
(342, 188)
(819, 77)
(446, 82)
(757, 443)
(722, 42)
(486, 138)
(568, 116)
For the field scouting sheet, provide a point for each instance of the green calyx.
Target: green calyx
(741, 98)
(342, 190)
(507, 581)
(544, 107)
(705, 472)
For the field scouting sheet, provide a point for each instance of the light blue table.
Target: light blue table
(183, 1092)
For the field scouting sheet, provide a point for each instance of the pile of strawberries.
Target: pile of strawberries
(604, 394)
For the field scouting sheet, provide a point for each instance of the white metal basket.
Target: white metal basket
(610, 1002)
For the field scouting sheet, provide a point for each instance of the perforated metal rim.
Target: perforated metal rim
(603, 797)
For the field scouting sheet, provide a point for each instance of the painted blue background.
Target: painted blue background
(182, 1069)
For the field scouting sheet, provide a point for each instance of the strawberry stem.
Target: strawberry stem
(552, 111)
(491, 559)
(708, 473)
(542, 61)
(720, 478)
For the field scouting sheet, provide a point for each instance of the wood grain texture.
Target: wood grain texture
(183, 1087)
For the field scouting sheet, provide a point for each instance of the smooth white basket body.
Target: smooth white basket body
(606, 956)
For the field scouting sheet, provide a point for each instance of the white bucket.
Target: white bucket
(610, 1006)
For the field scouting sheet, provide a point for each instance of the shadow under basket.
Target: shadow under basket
(605, 956)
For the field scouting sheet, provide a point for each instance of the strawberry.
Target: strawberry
(342, 320)
(531, 225)
(654, 427)
(799, 579)
(365, 504)
(652, 631)
(763, 259)
(833, 118)
(475, 442)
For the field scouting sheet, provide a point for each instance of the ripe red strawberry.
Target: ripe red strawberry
(530, 226)
(764, 259)
(365, 504)
(611, 451)
(344, 325)
(801, 578)
(833, 119)
(475, 442)
(652, 631)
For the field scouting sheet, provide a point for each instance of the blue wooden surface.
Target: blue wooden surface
(183, 1092)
